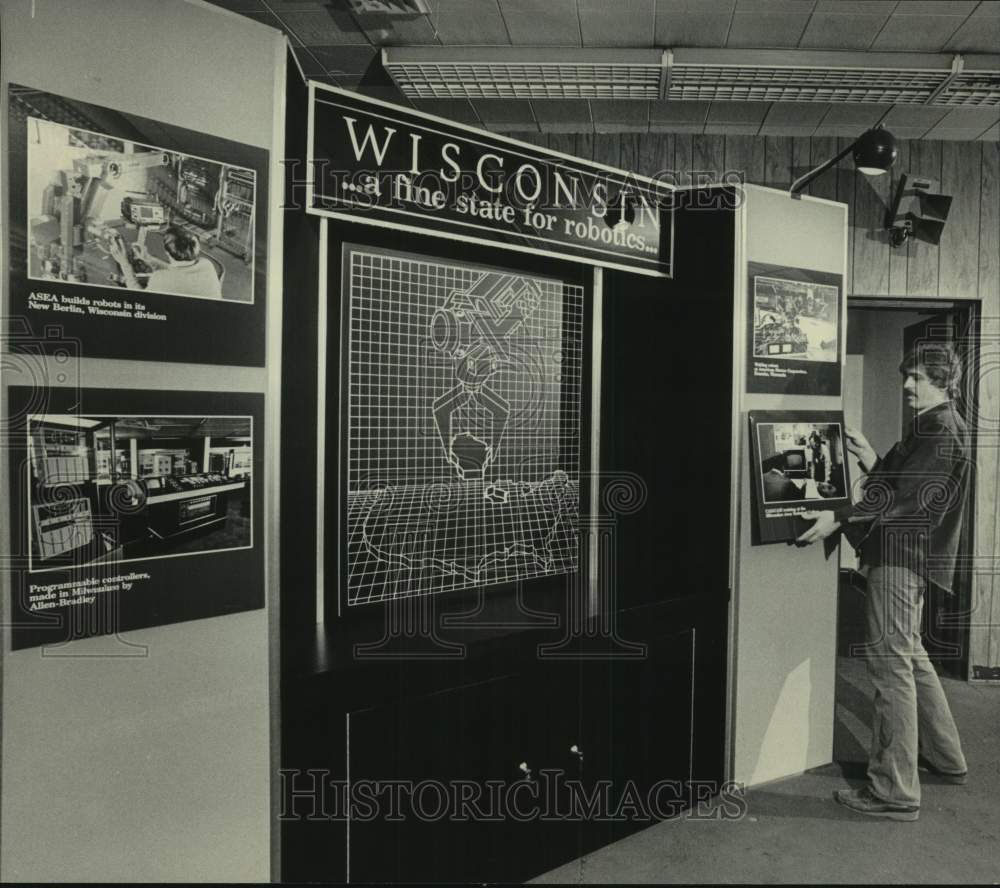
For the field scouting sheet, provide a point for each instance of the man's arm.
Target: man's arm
(119, 252)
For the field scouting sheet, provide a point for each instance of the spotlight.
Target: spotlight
(919, 210)
(874, 152)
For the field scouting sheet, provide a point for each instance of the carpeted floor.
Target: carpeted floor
(794, 832)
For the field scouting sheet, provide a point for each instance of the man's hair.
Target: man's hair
(180, 244)
(939, 361)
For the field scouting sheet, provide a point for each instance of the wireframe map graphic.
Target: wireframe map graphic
(463, 426)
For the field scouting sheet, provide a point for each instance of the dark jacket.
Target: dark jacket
(913, 503)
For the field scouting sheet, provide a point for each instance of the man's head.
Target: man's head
(931, 374)
(180, 245)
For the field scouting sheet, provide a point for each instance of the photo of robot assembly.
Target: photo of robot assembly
(107, 211)
(123, 488)
(794, 319)
(801, 461)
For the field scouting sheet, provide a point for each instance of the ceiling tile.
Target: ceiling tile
(549, 23)
(916, 33)
(970, 118)
(690, 7)
(936, 7)
(622, 23)
(662, 112)
(850, 120)
(451, 109)
(787, 6)
(977, 34)
(766, 30)
(239, 5)
(854, 7)
(322, 27)
(501, 112)
(913, 116)
(737, 112)
(953, 135)
(967, 123)
(992, 134)
(796, 113)
(621, 115)
(563, 115)
(691, 29)
(829, 31)
(342, 59)
(461, 23)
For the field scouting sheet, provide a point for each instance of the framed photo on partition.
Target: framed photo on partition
(139, 239)
(132, 509)
(797, 463)
(795, 336)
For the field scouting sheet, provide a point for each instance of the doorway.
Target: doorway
(879, 331)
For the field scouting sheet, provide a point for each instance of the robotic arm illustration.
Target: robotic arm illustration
(474, 328)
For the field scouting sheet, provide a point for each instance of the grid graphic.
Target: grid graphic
(463, 426)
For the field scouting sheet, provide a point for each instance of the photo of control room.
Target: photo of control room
(121, 488)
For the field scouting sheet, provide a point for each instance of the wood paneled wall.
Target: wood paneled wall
(966, 265)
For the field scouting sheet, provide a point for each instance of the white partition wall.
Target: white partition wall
(146, 756)
(785, 599)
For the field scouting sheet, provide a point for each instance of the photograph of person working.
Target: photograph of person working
(907, 529)
(185, 273)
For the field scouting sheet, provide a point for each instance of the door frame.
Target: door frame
(971, 312)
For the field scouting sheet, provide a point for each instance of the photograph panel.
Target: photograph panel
(129, 488)
(801, 461)
(795, 319)
(114, 212)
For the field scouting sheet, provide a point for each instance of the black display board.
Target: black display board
(132, 508)
(794, 332)
(798, 463)
(139, 239)
(386, 165)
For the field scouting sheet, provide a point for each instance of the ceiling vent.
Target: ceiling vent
(726, 75)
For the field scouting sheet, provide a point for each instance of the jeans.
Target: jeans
(911, 712)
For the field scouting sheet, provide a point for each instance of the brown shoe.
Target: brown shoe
(864, 801)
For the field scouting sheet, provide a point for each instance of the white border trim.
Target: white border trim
(321, 370)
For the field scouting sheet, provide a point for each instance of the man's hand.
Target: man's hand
(119, 252)
(825, 526)
(857, 445)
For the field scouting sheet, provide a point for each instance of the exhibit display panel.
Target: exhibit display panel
(462, 412)
(141, 239)
(381, 164)
(113, 513)
(523, 475)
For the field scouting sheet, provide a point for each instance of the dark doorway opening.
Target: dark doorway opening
(879, 333)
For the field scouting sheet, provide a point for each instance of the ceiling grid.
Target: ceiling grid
(601, 66)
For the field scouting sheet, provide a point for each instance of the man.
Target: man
(184, 274)
(907, 529)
